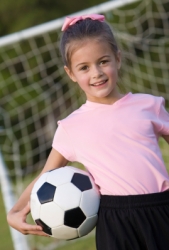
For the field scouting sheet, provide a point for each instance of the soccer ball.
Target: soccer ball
(65, 203)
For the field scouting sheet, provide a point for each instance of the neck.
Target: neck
(108, 99)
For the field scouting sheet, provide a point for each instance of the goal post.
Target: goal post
(35, 91)
(19, 240)
(56, 24)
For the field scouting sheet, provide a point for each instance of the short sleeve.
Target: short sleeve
(163, 116)
(62, 143)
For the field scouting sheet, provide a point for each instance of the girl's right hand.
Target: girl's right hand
(17, 216)
(17, 220)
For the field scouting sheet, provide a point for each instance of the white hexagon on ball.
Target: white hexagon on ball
(48, 214)
(67, 196)
(61, 176)
(64, 233)
(88, 225)
(87, 207)
(35, 206)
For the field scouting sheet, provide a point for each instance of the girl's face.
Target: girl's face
(95, 68)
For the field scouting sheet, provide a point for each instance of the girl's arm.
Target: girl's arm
(17, 215)
(166, 137)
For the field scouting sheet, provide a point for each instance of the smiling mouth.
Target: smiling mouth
(99, 83)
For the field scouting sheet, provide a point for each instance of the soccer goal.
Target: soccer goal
(35, 91)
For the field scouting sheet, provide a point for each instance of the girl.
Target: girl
(115, 137)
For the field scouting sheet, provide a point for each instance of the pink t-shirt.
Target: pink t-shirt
(118, 143)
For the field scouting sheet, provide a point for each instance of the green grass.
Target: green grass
(84, 243)
(6, 242)
(81, 244)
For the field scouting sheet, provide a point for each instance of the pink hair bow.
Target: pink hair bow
(72, 20)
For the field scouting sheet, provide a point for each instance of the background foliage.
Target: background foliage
(21, 14)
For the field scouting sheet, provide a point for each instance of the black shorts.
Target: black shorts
(134, 222)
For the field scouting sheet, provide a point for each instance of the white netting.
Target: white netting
(35, 92)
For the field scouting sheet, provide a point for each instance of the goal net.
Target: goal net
(35, 91)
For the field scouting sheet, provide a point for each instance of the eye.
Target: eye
(104, 62)
(85, 67)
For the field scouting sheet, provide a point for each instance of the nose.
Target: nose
(97, 71)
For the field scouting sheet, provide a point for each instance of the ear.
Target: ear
(70, 74)
(118, 58)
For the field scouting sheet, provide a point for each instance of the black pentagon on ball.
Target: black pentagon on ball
(46, 229)
(81, 181)
(74, 217)
(46, 193)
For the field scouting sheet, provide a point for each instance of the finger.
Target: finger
(40, 233)
(29, 227)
